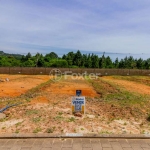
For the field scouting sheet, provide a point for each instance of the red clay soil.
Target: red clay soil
(69, 87)
(39, 99)
(19, 84)
(130, 85)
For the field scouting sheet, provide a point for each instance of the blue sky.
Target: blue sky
(115, 26)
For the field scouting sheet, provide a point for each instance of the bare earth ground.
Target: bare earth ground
(19, 84)
(48, 108)
(130, 85)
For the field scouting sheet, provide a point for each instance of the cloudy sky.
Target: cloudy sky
(117, 26)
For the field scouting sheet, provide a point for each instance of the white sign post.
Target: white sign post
(78, 104)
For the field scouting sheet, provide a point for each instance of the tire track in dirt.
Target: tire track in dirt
(131, 86)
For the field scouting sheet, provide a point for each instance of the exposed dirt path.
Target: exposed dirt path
(130, 85)
(19, 84)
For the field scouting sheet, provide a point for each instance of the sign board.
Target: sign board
(78, 104)
(78, 92)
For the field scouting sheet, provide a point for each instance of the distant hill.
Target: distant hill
(7, 54)
(1, 52)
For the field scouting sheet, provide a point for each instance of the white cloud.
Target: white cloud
(112, 26)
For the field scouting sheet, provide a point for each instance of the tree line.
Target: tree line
(72, 60)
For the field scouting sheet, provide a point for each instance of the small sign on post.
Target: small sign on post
(78, 92)
(78, 104)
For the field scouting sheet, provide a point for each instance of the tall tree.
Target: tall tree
(52, 55)
(28, 56)
(108, 62)
(116, 63)
(95, 61)
(78, 58)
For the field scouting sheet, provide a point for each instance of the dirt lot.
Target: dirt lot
(113, 105)
(19, 84)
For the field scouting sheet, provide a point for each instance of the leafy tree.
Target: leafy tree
(4, 61)
(64, 57)
(28, 56)
(28, 63)
(71, 60)
(52, 55)
(58, 63)
(40, 62)
(36, 59)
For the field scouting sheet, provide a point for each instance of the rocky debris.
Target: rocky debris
(7, 79)
(2, 116)
(91, 116)
(78, 114)
(3, 80)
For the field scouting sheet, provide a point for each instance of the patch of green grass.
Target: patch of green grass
(102, 87)
(105, 132)
(36, 120)
(3, 128)
(71, 119)
(3, 120)
(36, 130)
(50, 130)
(126, 98)
(31, 112)
(98, 87)
(59, 118)
(17, 131)
(60, 113)
(125, 123)
(143, 132)
(28, 99)
(18, 124)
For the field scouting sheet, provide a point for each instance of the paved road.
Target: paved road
(74, 144)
